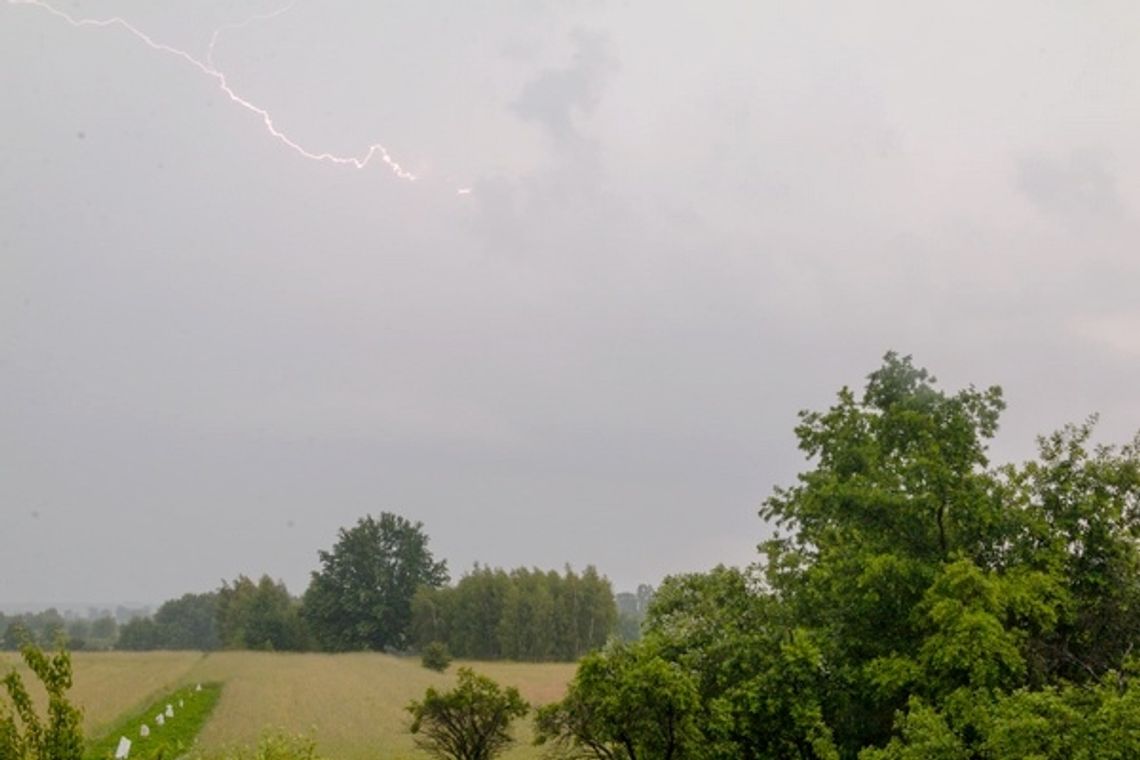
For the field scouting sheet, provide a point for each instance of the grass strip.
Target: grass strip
(191, 707)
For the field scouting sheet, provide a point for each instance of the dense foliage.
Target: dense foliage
(626, 702)
(523, 614)
(189, 622)
(48, 626)
(361, 598)
(260, 615)
(435, 657)
(920, 604)
(470, 722)
(241, 615)
(24, 734)
(378, 588)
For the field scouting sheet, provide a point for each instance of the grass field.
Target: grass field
(192, 706)
(109, 684)
(352, 704)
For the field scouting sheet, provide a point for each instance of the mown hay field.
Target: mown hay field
(352, 704)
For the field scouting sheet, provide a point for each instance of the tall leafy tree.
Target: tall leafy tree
(1085, 505)
(479, 601)
(920, 603)
(900, 487)
(361, 598)
(525, 614)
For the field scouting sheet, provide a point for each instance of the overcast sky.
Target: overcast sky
(686, 222)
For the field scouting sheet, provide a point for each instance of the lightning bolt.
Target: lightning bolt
(206, 67)
(235, 25)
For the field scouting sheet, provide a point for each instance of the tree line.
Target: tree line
(244, 614)
(46, 628)
(918, 602)
(378, 588)
(526, 615)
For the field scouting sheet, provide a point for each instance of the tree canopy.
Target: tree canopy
(361, 598)
(259, 615)
(918, 601)
(526, 615)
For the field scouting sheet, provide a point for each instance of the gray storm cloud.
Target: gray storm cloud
(686, 224)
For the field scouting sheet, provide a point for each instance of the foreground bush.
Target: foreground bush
(625, 701)
(470, 722)
(24, 735)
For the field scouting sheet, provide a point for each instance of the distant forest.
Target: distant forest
(521, 615)
(378, 589)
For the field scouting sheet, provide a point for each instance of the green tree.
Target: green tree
(139, 635)
(16, 635)
(761, 681)
(259, 615)
(431, 615)
(917, 602)
(470, 722)
(361, 598)
(479, 602)
(598, 610)
(900, 487)
(936, 585)
(189, 622)
(1083, 504)
(78, 632)
(526, 614)
(104, 632)
(24, 735)
(435, 656)
(626, 701)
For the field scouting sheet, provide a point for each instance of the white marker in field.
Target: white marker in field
(159, 719)
(144, 731)
(181, 704)
(198, 687)
(124, 749)
(169, 711)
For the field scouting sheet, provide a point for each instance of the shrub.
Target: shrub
(26, 736)
(436, 657)
(470, 722)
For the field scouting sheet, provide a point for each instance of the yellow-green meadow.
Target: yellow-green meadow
(352, 704)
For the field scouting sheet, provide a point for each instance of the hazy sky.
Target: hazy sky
(686, 222)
